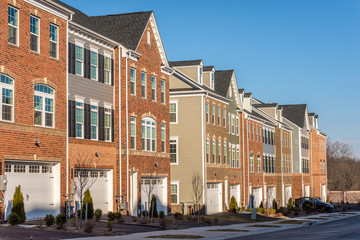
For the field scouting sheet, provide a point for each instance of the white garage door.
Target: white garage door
(323, 193)
(257, 193)
(101, 187)
(40, 186)
(307, 191)
(271, 195)
(157, 186)
(235, 191)
(288, 194)
(213, 198)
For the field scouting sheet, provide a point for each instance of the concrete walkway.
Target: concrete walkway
(248, 228)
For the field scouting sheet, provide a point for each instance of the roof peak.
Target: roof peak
(121, 14)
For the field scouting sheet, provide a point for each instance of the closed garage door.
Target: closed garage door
(288, 194)
(307, 191)
(235, 191)
(271, 195)
(40, 186)
(257, 192)
(323, 193)
(157, 186)
(213, 198)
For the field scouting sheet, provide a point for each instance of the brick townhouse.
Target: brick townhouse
(33, 46)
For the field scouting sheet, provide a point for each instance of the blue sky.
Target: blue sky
(298, 51)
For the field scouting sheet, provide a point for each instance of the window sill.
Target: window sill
(43, 126)
(13, 45)
(35, 52)
(55, 59)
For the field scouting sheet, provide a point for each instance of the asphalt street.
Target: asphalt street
(348, 228)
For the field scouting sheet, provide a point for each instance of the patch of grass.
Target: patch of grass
(176, 236)
(237, 219)
(228, 230)
(291, 222)
(261, 225)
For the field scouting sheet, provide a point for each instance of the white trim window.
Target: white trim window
(251, 162)
(173, 112)
(79, 118)
(34, 33)
(43, 105)
(79, 60)
(214, 151)
(233, 156)
(163, 137)
(54, 39)
(238, 156)
(225, 152)
(219, 116)
(219, 151)
(133, 81)
(174, 151)
(174, 192)
(213, 114)
(107, 123)
(13, 25)
(107, 70)
(232, 124)
(148, 39)
(256, 133)
(148, 134)
(7, 101)
(229, 123)
(259, 163)
(133, 133)
(163, 91)
(224, 117)
(207, 150)
(237, 126)
(212, 80)
(94, 121)
(94, 65)
(143, 84)
(153, 88)
(207, 112)
(200, 74)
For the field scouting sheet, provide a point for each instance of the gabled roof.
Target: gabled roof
(248, 94)
(223, 81)
(126, 28)
(241, 90)
(295, 113)
(208, 68)
(264, 105)
(185, 63)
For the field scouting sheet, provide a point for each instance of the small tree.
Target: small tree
(197, 188)
(89, 200)
(153, 207)
(18, 204)
(233, 204)
(275, 205)
(291, 204)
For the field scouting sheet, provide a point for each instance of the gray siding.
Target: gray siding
(268, 149)
(296, 144)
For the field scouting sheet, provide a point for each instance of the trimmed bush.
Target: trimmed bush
(233, 205)
(14, 219)
(49, 219)
(178, 216)
(153, 204)
(111, 216)
(275, 205)
(109, 225)
(98, 214)
(161, 214)
(89, 225)
(261, 205)
(18, 204)
(88, 198)
(118, 217)
(60, 221)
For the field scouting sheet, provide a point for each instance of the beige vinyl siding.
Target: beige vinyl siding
(188, 131)
(192, 72)
(270, 111)
(176, 83)
(206, 79)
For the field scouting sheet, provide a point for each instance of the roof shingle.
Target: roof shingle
(295, 113)
(222, 81)
(185, 63)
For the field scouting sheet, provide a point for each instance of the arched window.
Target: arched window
(219, 151)
(43, 106)
(148, 134)
(259, 163)
(7, 102)
(214, 150)
(207, 150)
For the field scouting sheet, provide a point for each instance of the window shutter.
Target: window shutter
(87, 116)
(87, 63)
(69, 57)
(101, 124)
(72, 56)
(71, 118)
(112, 73)
(101, 68)
(112, 125)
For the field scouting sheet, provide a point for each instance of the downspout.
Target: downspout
(67, 108)
(119, 123)
(311, 166)
(204, 158)
(247, 146)
(127, 135)
(243, 157)
(282, 167)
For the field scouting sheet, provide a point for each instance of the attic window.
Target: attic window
(212, 80)
(148, 37)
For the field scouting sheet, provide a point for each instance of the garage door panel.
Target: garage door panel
(213, 198)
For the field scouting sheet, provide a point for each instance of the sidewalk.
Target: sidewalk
(239, 230)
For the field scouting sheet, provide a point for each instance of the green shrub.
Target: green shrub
(109, 225)
(111, 216)
(49, 219)
(144, 213)
(178, 216)
(60, 221)
(88, 198)
(89, 225)
(98, 214)
(134, 219)
(18, 204)
(261, 205)
(161, 214)
(153, 204)
(118, 217)
(13, 219)
(249, 209)
(290, 203)
(233, 205)
(275, 204)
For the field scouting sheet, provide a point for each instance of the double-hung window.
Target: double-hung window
(214, 151)
(233, 124)
(224, 117)
(233, 156)
(259, 163)
(200, 75)
(79, 60)
(132, 81)
(7, 101)
(148, 134)
(133, 133)
(213, 114)
(207, 112)
(153, 88)
(238, 156)
(256, 133)
(207, 150)
(94, 65)
(107, 70)
(94, 121)
(230, 155)
(43, 106)
(219, 116)
(173, 112)
(162, 91)
(79, 119)
(34, 33)
(174, 193)
(54, 39)
(251, 162)
(219, 151)
(225, 152)
(173, 151)
(237, 126)
(13, 25)
(107, 123)
(143, 85)
(163, 137)
(212, 80)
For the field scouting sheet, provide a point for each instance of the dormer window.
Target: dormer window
(250, 101)
(200, 74)
(212, 80)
